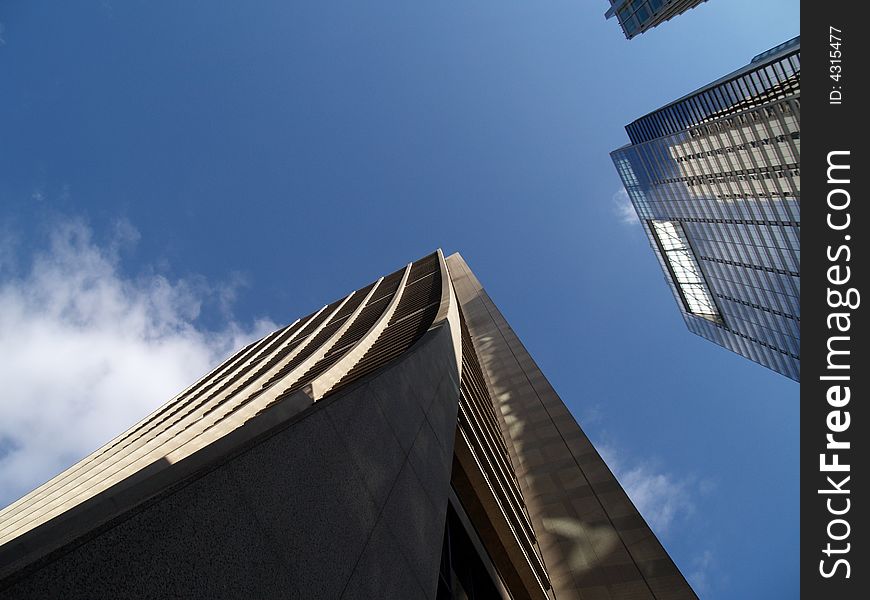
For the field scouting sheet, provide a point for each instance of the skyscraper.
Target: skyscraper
(397, 443)
(636, 16)
(715, 180)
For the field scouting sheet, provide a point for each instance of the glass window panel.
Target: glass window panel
(642, 14)
(685, 269)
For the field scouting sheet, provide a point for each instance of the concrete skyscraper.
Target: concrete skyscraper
(715, 180)
(397, 443)
(636, 16)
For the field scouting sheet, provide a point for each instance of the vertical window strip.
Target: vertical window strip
(685, 270)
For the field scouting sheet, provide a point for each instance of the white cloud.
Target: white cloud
(666, 501)
(662, 498)
(700, 575)
(624, 208)
(591, 414)
(88, 351)
(2, 34)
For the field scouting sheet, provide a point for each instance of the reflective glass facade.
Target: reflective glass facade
(636, 16)
(715, 180)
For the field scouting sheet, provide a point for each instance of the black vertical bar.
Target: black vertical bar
(834, 561)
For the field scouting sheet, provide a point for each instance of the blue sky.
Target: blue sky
(176, 177)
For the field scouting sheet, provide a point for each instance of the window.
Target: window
(685, 271)
(642, 14)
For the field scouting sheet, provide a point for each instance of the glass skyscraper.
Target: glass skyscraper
(715, 180)
(636, 16)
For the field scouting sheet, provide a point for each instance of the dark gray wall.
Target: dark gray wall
(346, 500)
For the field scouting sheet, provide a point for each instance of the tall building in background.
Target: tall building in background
(397, 443)
(636, 16)
(715, 180)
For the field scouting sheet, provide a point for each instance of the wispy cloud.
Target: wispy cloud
(87, 351)
(623, 207)
(2, 34)
(701, 571)
(662, 498)
(667, 501)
